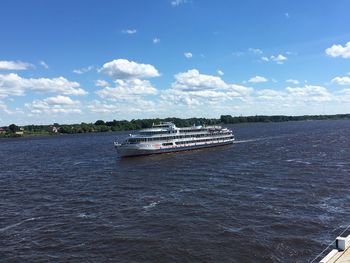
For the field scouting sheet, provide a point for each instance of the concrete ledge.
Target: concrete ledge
(329, 256)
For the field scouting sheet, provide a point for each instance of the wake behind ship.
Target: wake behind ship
(166, 137)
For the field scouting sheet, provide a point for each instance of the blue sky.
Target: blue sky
(74, 61)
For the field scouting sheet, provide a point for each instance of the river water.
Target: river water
(281, 193)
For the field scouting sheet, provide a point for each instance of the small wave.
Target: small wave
(85, 215)
(250, 140)
(18, 224)
(151, 205)
(298, 161)
(77, 163)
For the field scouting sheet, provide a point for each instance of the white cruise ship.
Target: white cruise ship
(166, 137)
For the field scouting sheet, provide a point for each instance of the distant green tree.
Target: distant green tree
(13, 128)
(100, 122)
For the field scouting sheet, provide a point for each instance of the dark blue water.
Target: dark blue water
(280, 194)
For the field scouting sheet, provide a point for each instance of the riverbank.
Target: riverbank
(124, 125)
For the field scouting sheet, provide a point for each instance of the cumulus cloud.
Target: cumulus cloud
(11, 85)
(341, 80)
(125, 69)
(55, 85)
(174, 97)
(310, 93)
(188, 55)
(101, 83)
(193, 80)
(14, 85)
(54, 105)
(293, 81)
(193, 89)
(131, 86)
(83, 70)
(127, 90)
(136, 106)
(14, 65)
(279, 59)
(129, 31)
(4, 108)
(270, 94)
(339, 51)
(60, 100)
(257, 79)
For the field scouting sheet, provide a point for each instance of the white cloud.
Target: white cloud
(194, 89)
(255, 50)
(239, 90)
(193, 80)
(14, 85)
(83, 70)
(54, 105)
(14, 65)
(175, 3)
(101, 83)
(257, 79)
(293, 81)
(129, 31)
(100, 107)
(4, 108)
(270, 94)
(156, 40)
(11, 85)
(310, 93)
(55, 85)
(279, 59)
(127, 90)
(173, 97)
(188, 55)
(221, 73)
(339, 51)
(136, 107)
(60, 100)
(341, 80)
(43, 64)
(125, 69)
(344, 96)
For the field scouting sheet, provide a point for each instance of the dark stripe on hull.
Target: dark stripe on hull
(177, 149)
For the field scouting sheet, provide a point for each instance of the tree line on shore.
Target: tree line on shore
(123, 125)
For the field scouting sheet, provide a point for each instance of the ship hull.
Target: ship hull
(137, 150)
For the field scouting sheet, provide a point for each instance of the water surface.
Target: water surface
(279, 194)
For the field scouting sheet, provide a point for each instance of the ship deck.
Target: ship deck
(341, 252)
(340, 256)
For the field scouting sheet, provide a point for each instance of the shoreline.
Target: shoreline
(70, 129)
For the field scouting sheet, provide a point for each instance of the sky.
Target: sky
(79, 61)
